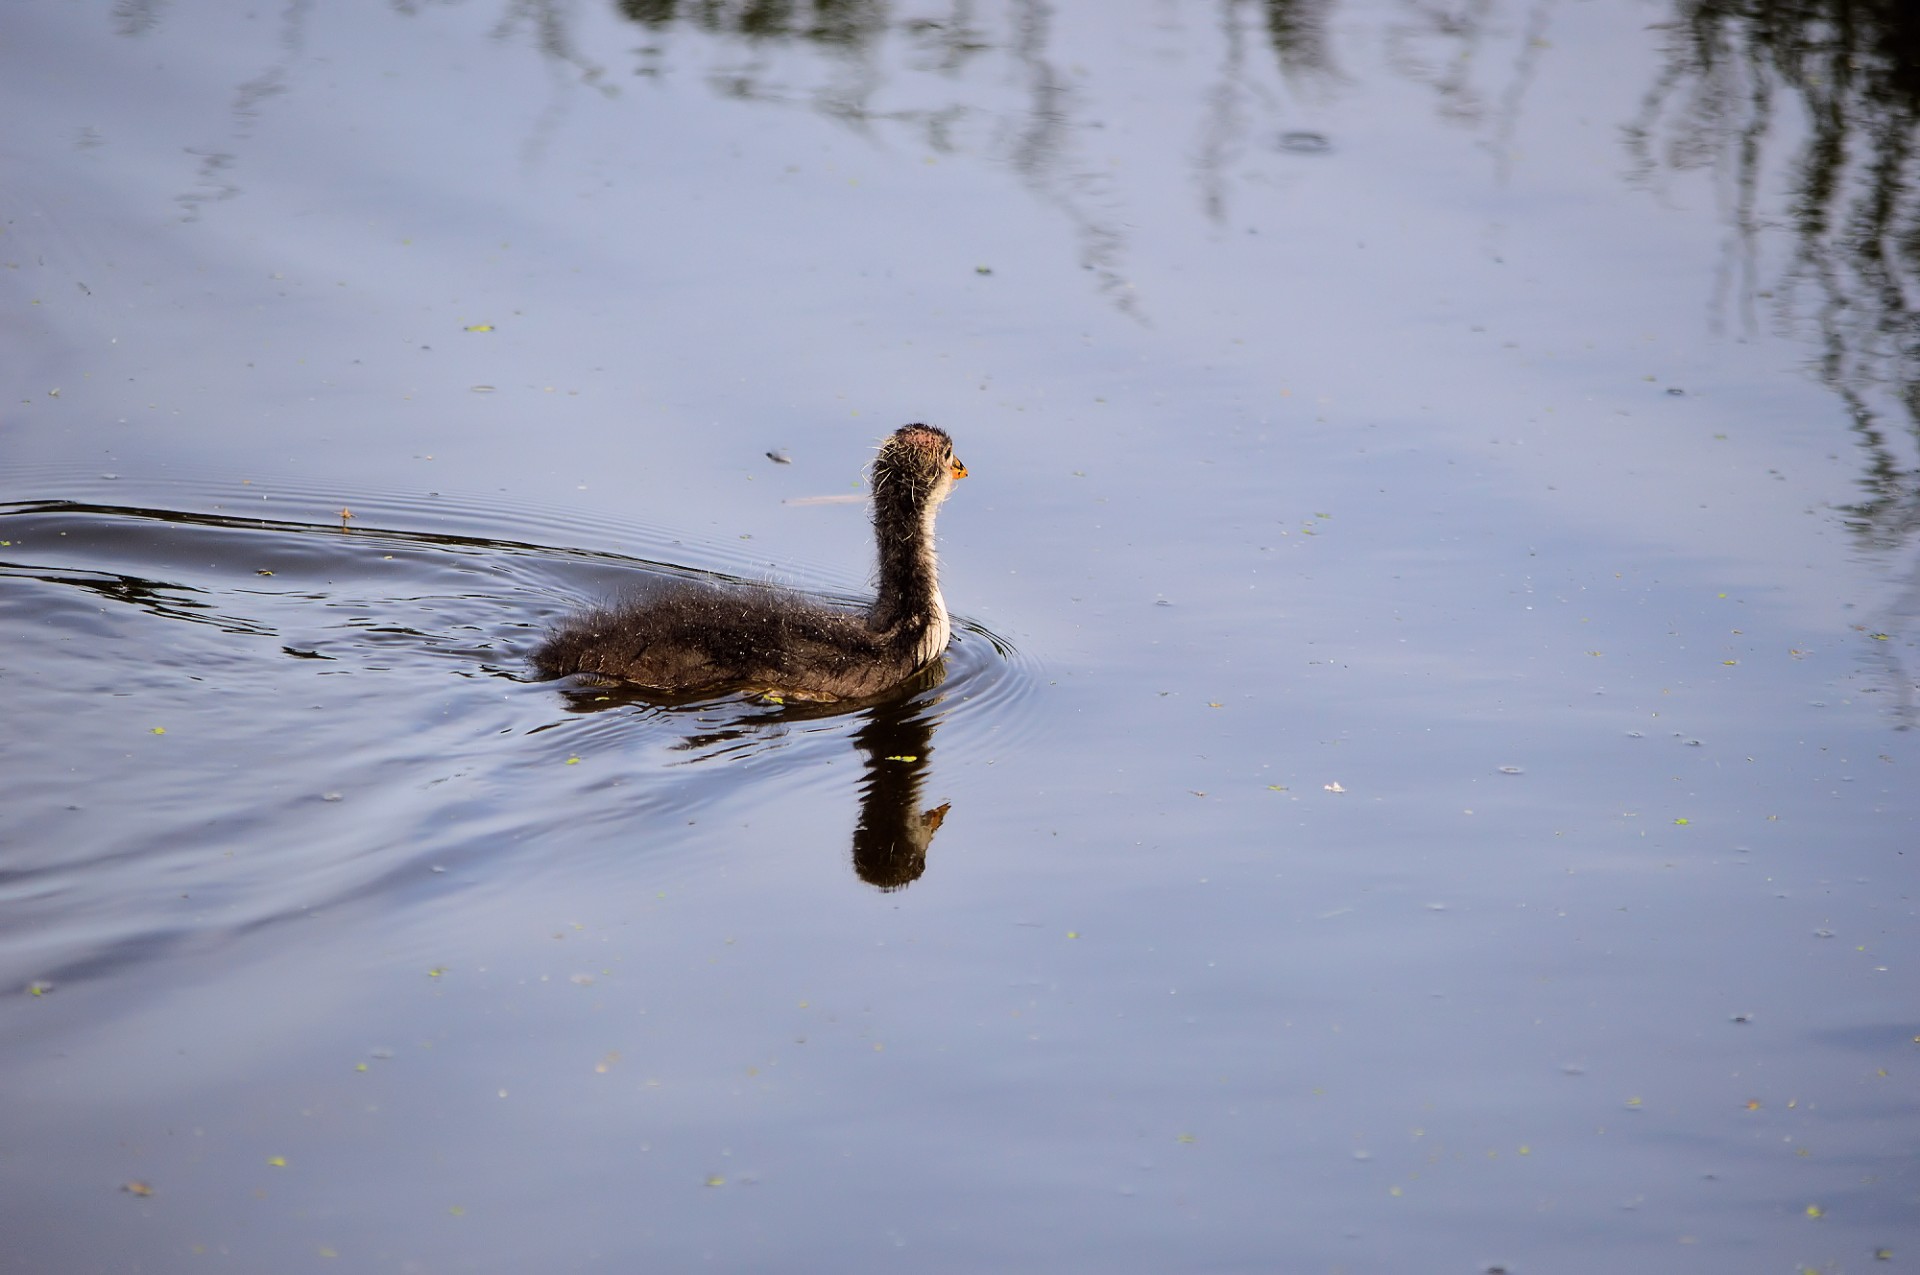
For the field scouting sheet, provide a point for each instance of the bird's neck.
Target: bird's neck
(908, 602)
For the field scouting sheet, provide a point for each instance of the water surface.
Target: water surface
(1425, 776)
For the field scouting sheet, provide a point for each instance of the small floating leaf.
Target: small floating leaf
(277, 1161)
(137, 1188)
(479, 327)
(159, 730)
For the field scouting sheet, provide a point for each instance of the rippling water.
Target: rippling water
(289, 712)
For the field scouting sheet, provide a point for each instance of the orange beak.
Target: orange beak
(959, 470)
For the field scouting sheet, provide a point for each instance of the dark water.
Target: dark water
(1424, 781)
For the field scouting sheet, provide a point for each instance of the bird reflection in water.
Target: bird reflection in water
(892, 831)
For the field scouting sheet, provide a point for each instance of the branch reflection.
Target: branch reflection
(1740, 72)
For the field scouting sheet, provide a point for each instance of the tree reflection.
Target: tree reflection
(1041, 136)
(849, 22)
(1297, 30)
(1734, 71)
(1852, 68)
(1734, 67)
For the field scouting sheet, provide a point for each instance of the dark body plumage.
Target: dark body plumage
(707, 637)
